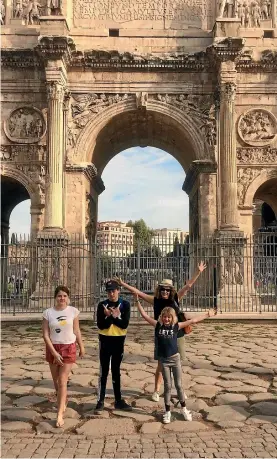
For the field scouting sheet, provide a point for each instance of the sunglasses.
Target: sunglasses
(163, 289)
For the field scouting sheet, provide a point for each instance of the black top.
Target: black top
(166, 340)
(104, 322)
(160, 303)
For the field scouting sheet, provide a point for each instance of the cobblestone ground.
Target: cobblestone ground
(230, 378)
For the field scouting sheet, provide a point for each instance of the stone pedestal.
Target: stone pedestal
(227, 27)
(53, 25)
(50, 266)
(4, 257)
(234, 268)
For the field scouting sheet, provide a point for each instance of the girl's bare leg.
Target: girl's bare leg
(64, 372)
(55, 375)
(158, 378)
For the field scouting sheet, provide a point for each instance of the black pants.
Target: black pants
(111, 349)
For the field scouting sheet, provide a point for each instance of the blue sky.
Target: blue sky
(140, 183)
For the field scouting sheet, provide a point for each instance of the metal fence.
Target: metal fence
(241, 273)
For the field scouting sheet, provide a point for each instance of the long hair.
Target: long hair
(171, 296)
(169, 312)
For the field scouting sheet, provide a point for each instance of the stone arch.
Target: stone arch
(20, 177)
(262, 178)
(184, 124)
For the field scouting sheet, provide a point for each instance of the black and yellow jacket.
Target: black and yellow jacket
(110, 326)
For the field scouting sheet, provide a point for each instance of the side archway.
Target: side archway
(262, 187)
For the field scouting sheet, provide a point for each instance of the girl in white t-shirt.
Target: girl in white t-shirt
(60, 332)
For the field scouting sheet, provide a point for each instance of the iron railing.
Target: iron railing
(241, 274)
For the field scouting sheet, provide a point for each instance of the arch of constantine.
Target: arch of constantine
(83, 80)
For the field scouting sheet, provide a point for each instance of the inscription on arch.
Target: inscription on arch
(168, 13)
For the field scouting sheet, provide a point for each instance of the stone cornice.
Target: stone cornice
(20, 59)
(55, 48)
(201, 166)
(228, 49)
(113, 60)
(89, 170)
(64, 48)
(267, 62)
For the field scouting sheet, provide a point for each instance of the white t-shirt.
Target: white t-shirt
(61, 324)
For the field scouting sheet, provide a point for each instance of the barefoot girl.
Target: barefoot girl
(166, 330)
(60, 332)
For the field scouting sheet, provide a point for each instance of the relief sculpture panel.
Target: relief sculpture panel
(161, 14)
(25, 125)
(257, 127)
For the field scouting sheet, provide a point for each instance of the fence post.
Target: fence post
(138, 265)
(215, 289)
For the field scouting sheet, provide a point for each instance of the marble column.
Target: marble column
(55, 165)
(228, 166)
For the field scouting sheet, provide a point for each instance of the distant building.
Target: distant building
(115, 238)
(164, 238)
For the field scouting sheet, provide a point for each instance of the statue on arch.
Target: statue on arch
(54, 7)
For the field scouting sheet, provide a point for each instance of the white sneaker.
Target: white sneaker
(155, 397)
(187, 414)
(167, 417)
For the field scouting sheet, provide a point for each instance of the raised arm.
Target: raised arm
(143, 313)
(148, 298)
(201, 267)
(197, 319)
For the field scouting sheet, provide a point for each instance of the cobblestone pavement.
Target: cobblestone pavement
(230, 378)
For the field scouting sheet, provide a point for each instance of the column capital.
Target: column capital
(55, 91)
(228, 91)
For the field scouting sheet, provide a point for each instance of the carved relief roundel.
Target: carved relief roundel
(25, 125)
(257, 127)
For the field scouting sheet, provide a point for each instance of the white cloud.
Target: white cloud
(145, 183)
(140, 183)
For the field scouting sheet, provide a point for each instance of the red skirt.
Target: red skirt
(67, 351)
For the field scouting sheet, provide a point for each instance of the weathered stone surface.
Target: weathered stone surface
(150, 428)
(223, 361)
(147, 404)
(50, 426)
(232, 399)
(19, 390)
(205, 380)
(205, 390)
(262, 419)
(238, 375)
(92, 415)
(229, 424)
(17, 414)
(102, 427)
(185, 426)
(196, 404)
(81, 380)
(203, 372)
(136, 415)
(5, 400)
(262, 397)
(246, 389)
(29, 400)
(223, 412)
(259, 371)
(265, 408)
(16, 426)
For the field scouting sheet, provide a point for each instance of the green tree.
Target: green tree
(143, 233)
